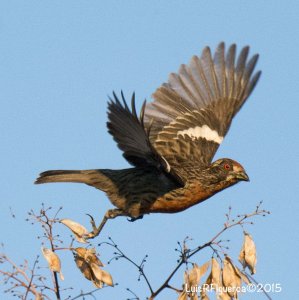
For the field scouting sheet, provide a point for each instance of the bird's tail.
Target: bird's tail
(91, 177)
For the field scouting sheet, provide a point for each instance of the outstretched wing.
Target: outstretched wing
(192, 112)
(131, 136)
(129, 132)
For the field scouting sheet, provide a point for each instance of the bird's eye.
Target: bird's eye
(226, 166)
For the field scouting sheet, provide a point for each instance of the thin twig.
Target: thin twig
(139, 267)
(83, 294)
(189, 254)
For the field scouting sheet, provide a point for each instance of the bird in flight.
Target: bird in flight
(173, 140)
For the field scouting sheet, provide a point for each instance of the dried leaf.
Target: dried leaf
(213, 281)
(242, 256)
(89, 255)
(204, 296)
(192, 279)
(84, 267)
(243, 276)
(81, 263)
(107, 278)
(53, 261)
(204, 268)
(86, 270)
(223, 296)
(89, 265)
(39, 296)
(80, 251)
(183, 296)
(247, 256)
(78, 230)
(194, 275)
(194, 296)
(231, 279)
(101, 275)
(215, 272)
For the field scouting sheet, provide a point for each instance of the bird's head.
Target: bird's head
(226, 172)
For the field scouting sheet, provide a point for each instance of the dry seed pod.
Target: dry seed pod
(215, 272)
(53, 261)
(194, 296)
(213, 280)
(78, 230)
(247, 256)
(183, 296)
(204, 268)
(101, 275)
(204, 296)
(39, 297)
(89, 255)
(243, 276)
(83, 267)
(86, 270)
(192, 279)
(89, 265)
(196, 273)
(80, 251)
(223, 296)
(231, 280)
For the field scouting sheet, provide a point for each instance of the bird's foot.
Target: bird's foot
(132, 219)
(110, 214)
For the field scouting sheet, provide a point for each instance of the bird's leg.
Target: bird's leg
(110, 214)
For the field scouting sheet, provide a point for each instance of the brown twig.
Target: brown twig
(187, 255)
(120, 254)
(50, 226)
(83, 294)
(24, 277)
(24, 281)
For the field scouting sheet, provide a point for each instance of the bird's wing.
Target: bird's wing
(132, 137)
(192, 112)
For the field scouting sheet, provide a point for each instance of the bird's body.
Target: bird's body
(144, 190)
(172, 143)
(132, 190)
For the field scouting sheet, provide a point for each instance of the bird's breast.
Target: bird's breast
(181, 198)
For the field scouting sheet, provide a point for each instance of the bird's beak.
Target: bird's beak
(242, 176)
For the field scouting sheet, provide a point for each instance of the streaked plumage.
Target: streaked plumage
(172, 142)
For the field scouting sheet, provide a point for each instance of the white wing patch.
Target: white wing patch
(202, 132)
(168, 168)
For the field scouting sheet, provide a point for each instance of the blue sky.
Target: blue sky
(58, 62)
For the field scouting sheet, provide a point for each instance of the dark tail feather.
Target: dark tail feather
(91, 177)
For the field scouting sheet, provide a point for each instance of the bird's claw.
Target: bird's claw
(93, 224)
(110, 214)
